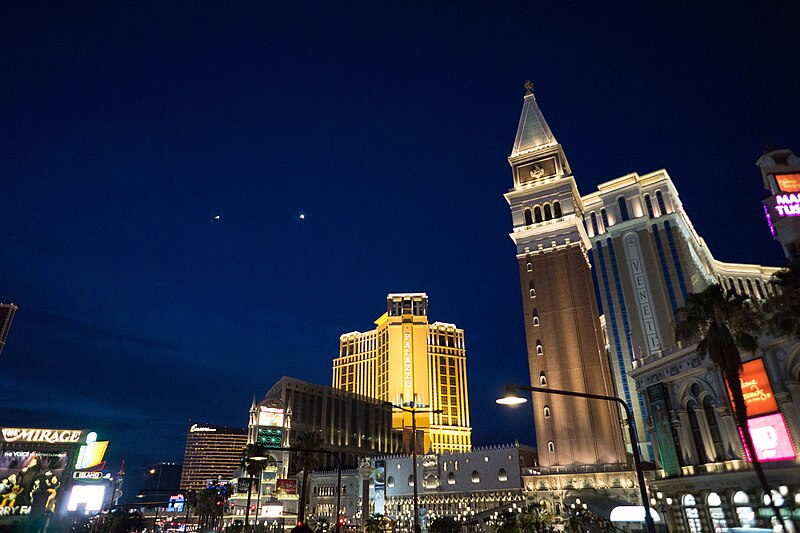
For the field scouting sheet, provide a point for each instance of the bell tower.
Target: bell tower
(562, 324)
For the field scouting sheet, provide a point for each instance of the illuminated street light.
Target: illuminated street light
(413, 408)
(512, 398)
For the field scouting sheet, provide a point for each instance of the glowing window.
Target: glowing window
(551, 447)
(529, 267)
(546, 411)
(542, 379)
(528, 217)
(539, 347)
(557, 209)
(390, 481)
(451, 479)
(476, 478)
(502, 475)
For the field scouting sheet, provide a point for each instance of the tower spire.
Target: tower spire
(533, 131)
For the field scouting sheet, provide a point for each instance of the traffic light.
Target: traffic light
(341, 520)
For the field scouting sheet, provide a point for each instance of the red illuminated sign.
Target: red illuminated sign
(756, 389)
(788, 182)
(287, 486)
(770, 438)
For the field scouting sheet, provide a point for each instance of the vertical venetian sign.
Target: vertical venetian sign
(659, 410)
(408, 365)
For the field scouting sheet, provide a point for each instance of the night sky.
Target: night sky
(126, 128)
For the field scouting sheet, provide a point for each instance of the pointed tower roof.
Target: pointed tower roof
(533, 131)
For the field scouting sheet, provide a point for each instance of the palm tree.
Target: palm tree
(535, 518)
(723, 323)
(252, 468)
(783, 309)
(308, 440)
(378, 523)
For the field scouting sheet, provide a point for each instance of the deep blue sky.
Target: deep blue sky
(125, 128)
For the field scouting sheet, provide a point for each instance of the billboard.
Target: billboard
(271, 438)
(175, 504)
(788, 182)
(659, 410)
(286, 486)
(270, 416)
(756, 389)
(770, 439)
(88, 498)
(30, 481)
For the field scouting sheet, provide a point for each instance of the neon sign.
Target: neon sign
(50, 436)
(788, 182)
(194, 428)
(756, 389)
(770, 439)
(407, 360)
(787, 205)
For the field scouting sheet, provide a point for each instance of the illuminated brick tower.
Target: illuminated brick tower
(407, 359)
(562, 325)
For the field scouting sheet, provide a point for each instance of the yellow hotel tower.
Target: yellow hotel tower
(406, 359)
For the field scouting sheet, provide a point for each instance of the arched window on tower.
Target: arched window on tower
(535, 316)
(713, 427)
(604, 218)
(547, 213)
(648, 203)
(551, 447)
(546, 411)
(697, 436)
(593, 218)
(660, 200)
(623, 208)
(557, 209)
(528, 217)
(539, 347)
(531, 290)
(537, 214)
(542, 379)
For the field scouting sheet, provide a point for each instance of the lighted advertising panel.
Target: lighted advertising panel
(770, 439)
(176, 504)
(286, 486)
(30, 480)
(659, 409)
(270, 417)
(379, 476)
(87, 498)
(766, 425)
(788, 183)
(756, 389)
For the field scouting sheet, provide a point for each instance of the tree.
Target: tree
(378, 523)
(535, 518)
(444, 524)
(783, 309)
(308, 440)
(507, 522)
(252, 468)
(210, 505)
(723, 323)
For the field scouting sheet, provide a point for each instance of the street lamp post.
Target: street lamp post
(511, 398)
(413, 408)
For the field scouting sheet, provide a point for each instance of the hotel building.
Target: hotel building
(350, 424)
(407, 359)
(211, 453)
(647, 258)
